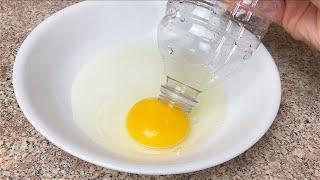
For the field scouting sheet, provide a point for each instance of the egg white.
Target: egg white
(106, 88)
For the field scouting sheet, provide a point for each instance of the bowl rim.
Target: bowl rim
(109, 163)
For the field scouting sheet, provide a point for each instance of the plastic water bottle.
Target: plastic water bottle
(203, 41)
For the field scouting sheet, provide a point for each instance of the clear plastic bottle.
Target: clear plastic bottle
(203, 41)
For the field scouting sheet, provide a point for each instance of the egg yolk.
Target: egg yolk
(153, 123)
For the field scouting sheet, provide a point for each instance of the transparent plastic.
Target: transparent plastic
(203, 41)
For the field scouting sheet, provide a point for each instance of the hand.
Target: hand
(301, 18)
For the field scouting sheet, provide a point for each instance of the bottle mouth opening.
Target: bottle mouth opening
(179, 95)
(176, 99)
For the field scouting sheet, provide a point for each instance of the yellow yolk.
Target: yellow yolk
(153, 123)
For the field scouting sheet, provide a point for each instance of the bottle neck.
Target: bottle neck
(177, 94)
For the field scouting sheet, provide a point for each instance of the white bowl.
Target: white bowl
(54, 52)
